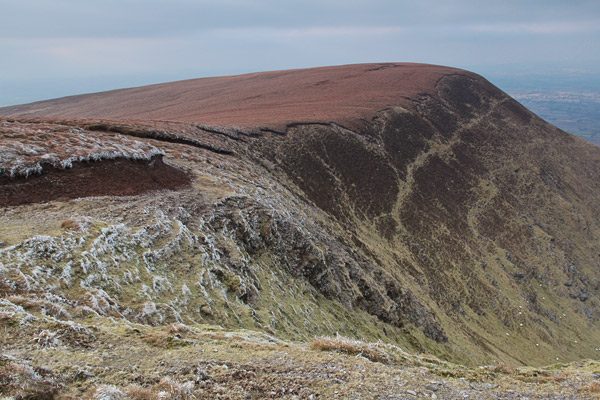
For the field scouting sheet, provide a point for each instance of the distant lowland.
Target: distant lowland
(570, 102)
(574, 112)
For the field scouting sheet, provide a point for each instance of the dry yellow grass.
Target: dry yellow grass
(377, 352)
(70, 224)
(136, 392)
(178, 329)
(503, 369)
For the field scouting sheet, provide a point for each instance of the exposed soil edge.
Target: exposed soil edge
(118, 177)
(163, 136)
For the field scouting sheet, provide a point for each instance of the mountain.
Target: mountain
(327, 94)
(413, 204)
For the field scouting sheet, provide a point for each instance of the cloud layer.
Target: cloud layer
(63, 47)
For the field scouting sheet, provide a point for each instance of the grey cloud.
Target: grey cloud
(113, 18)
(113, 43)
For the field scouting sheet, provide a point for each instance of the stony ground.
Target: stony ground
(103, 359)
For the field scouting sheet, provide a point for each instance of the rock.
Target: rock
(83, 375)
(205, 309)
(201, 374)
(43, 371)
(519, 275)
(6, 358)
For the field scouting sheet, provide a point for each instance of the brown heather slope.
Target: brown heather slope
(327, 94)
(413, 204)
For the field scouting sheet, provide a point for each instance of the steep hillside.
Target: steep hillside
(412, 204)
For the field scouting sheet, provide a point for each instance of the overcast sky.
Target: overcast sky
(53, 48)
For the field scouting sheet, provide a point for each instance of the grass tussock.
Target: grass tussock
(70, 225)
(561, 377)
(166, 388)
(108, 392)
(135, 392)
(175, 335)
(376, 352)
(503, 369)
(22, 381)
(179, 329)
(164, 340)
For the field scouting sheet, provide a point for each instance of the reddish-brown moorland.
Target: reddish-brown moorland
(328, 94)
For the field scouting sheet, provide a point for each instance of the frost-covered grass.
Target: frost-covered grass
(170, 264)
(27, 147)
(19, 378)
(124, 271)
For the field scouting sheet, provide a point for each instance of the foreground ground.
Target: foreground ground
(103, 359)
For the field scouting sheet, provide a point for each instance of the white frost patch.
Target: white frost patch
(161, 284)
(25, 150)
(109, 392)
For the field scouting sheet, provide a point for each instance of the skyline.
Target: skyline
(68, 47)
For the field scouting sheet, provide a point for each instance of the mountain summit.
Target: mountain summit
(326, 94)
(414, 204)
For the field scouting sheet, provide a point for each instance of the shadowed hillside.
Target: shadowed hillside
(412, 204)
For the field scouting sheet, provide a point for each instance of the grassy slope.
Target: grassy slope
(480, 209)
(117, 359)
(241, 248)
(479, 228)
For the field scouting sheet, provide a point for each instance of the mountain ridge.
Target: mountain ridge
(443, 218)
(323, 94)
